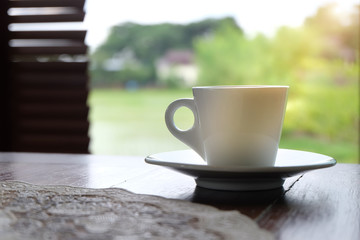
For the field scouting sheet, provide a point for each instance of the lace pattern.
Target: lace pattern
(30, 211)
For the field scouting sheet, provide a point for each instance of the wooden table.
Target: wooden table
(321, 204)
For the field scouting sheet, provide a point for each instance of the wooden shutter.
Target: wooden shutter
(46, 82)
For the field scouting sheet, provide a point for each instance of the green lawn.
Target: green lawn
(132, 123)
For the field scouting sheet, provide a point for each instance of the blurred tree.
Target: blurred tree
(319, 61)
(146, 43)
(339, 33)
(221, 56)
(230, 57)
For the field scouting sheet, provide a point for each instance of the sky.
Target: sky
(253, 16)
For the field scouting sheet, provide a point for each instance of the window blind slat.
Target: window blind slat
(51, 80)
(66, 17)
(75, 35)
(46, 3)
(48, 50)
(46, 67)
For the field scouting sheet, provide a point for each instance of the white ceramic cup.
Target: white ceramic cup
(233, 125)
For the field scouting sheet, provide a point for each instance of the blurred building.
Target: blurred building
(179, 66)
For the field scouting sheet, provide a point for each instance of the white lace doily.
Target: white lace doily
(61, 212)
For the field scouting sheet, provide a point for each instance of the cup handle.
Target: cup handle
(190, 137)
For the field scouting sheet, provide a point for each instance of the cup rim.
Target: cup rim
(240, 86)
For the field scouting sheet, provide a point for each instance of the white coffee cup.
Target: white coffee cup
(233, 125)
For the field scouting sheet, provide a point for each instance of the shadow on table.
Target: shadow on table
(228, 200)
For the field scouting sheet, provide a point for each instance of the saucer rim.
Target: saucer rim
(152, 159)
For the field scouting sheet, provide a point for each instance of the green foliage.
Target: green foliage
(319, 62)
(230, 57)
(324, 111)
(173, 82)
(223, 57)
(337, 32)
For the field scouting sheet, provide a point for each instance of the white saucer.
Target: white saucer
(288, 163)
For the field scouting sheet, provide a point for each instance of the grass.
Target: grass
(132, 123)
(343, 152)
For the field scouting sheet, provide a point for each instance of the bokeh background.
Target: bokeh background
(143, 56)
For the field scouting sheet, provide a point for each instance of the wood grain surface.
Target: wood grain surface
(320, 204)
